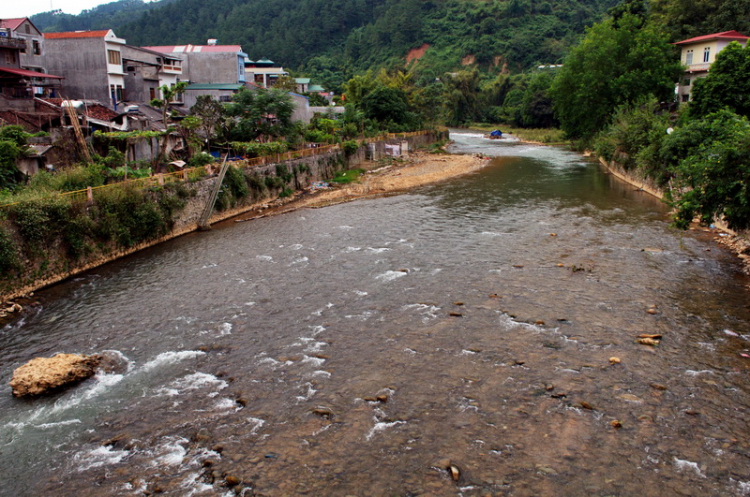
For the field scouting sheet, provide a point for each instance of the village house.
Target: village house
(22, 70)
(91, 62)
(146, 71)
(264, 72)
(207, 64)
(32, 55)
(698, 54)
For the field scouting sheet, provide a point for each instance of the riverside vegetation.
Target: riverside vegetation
(613, 92)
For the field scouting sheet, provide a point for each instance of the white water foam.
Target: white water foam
(225, 329)
(170, 452)
(381, 426)
(199, 380)
(256, 424)
(316, 361)
(266, 258)
(683, 465)
(171, 357)
(315, 347)
(360, 293)
(379, 250)
(390, 275)
(349, 250)
(101, 456)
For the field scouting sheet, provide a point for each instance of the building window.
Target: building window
(114, 57)
(689, 58)
(28, 29)
(706, 54)
(685, 97)
(225, 98)
(152, 93)
(10, 58)
(686, 82)
(36, 47)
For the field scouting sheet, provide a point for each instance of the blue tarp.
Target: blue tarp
(497, 132)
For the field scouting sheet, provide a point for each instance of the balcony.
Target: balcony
(702, 67)
(7, 42)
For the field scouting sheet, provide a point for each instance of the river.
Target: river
(365, 348)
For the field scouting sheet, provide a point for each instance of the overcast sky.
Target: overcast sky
(27, 8)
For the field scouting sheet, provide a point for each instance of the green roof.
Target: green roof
(214, 86)
(264, 62)
(315, 88)
(302, 81)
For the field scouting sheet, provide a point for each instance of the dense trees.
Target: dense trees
(259, 114)
(619, 61)
(726, 86)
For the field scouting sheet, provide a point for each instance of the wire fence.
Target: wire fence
(189, 174)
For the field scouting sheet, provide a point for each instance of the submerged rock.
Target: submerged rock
(45, 374)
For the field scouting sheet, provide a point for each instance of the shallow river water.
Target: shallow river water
(355, 349)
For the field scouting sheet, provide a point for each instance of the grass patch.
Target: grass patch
(350, 176)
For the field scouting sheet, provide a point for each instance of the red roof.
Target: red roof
(726, 35)
(29, 74)
(195, 48)
(76, 34)
(12, 23)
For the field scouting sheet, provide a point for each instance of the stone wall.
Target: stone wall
(304, 171)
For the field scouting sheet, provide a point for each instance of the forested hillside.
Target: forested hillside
(343, 37)
(110, 15)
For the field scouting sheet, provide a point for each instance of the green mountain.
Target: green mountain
(348, 36)
(110, 15)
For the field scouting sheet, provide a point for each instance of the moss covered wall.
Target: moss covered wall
(46, 241)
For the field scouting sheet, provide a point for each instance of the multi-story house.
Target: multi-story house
(22, 74)
(212, 64)
(146, 71)
(264, 72)
(91, 62)
(32, 55)
(698, 54)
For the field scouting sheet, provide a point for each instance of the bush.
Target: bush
(8, 254)
(350, 147)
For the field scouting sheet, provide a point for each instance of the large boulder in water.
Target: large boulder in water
(45, 374)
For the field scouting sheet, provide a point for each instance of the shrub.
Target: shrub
(8, 254)
(350, 147)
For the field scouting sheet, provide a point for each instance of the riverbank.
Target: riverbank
(737, 243)
(418, 169)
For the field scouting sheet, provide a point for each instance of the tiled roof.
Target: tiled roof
(725, 35)
(195, 48)
(76, 34)
(12, 23)
(91, 109)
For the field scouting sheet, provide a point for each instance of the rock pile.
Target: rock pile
(45, 374)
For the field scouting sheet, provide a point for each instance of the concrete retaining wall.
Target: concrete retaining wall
(304, 171)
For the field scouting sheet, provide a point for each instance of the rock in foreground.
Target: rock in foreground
(44, 374)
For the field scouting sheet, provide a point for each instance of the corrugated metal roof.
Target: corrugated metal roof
(315, 88)
(76, 34)
(302, 81)
(196, 48)
(29, 74)
(725, 35)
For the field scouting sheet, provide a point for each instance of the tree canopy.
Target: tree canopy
(617, 62)
(726, 86)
